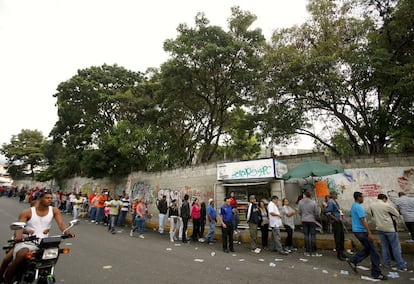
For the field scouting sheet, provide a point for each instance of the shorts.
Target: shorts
(22, 245)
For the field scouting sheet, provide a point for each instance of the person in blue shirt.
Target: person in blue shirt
(333, 211)
(226, 220)
(212, 219)
(362, 232)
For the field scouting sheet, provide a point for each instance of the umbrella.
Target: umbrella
(312, 168)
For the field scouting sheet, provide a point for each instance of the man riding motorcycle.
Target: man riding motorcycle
(38, 219)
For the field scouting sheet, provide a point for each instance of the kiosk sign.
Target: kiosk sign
(254, 169)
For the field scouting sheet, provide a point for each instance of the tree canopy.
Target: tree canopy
(344, 78)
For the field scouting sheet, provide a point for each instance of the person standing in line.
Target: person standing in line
(333, 212)
(124, 210)
(77, 205)
(100, 207)
(212, 219)
(115, 206)
(362, 232)
(264, 223)
(141, 217)
(236, 217)
(195, 215)
(203, 216)
(288, 220)
(405, 206)
(275, 222)
(253, 219)
(162, 206)
(308, 211)
(174, 218)
(135, 202)
(185, 216)
(384, 215)
(226, 220)
(92, 199)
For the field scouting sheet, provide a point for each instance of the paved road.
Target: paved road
(100, 257)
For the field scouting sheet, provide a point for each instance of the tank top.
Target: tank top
(40, 224)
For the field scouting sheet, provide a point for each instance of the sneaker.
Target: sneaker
(400, 269)
(307, 254)
(381, 277)
(131, 233)
(257, 250)
(283, 252)
(315, 254)
(409, 241)
(352, 265)
(141, 237)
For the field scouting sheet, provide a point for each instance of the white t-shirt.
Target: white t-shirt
(274, 221)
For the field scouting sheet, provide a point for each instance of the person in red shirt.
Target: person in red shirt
(236, 217)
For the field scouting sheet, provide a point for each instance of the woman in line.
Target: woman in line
(264, 223)
(141, 217)
(195, 215)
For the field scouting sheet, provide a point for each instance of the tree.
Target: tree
(337, 71)
(210, 73)
(90, 105)
(24, 153)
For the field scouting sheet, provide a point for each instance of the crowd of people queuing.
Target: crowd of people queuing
(264, 216)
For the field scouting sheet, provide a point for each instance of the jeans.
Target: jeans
(253, 235)
(410, 226)
(276, 244)
(196, 229)
(139, 225)
(174, 225)
(99, 214)
(391, 239)
(161, 222)
(121, 218)
(184, 226)
(309, 232)
(289, 237)
(368, 250)
(112, 222)
(75, 212)
(339, 237)
(265, 234)
(92, 213)
(227, 236)
(210, 234)
(236, 220)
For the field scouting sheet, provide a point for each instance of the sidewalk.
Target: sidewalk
(324, 241)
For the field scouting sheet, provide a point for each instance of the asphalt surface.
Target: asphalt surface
(98, 256)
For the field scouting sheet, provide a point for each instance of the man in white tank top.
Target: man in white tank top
(39, 221)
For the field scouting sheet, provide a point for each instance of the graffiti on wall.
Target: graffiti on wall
(142, 190)
(406, 181)
(178, 193)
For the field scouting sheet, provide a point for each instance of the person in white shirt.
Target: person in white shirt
(275, 222)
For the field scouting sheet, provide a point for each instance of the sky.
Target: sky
(45, 42)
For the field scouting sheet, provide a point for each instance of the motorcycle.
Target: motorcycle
(39, 265)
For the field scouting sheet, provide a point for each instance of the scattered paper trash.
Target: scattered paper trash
(213, 253)
(234, 254)
(261, 259)
(303, 259)
(241, 259)
(393, 275)
(68, 244)
(198, 260)
(177, 245)
(196, 248)
(411, 279)
(315, 268)
(272, 264)
(278, 259)
(325, 271)
(344, 272)
(227, 268)
(168, 248)
(107, 267)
